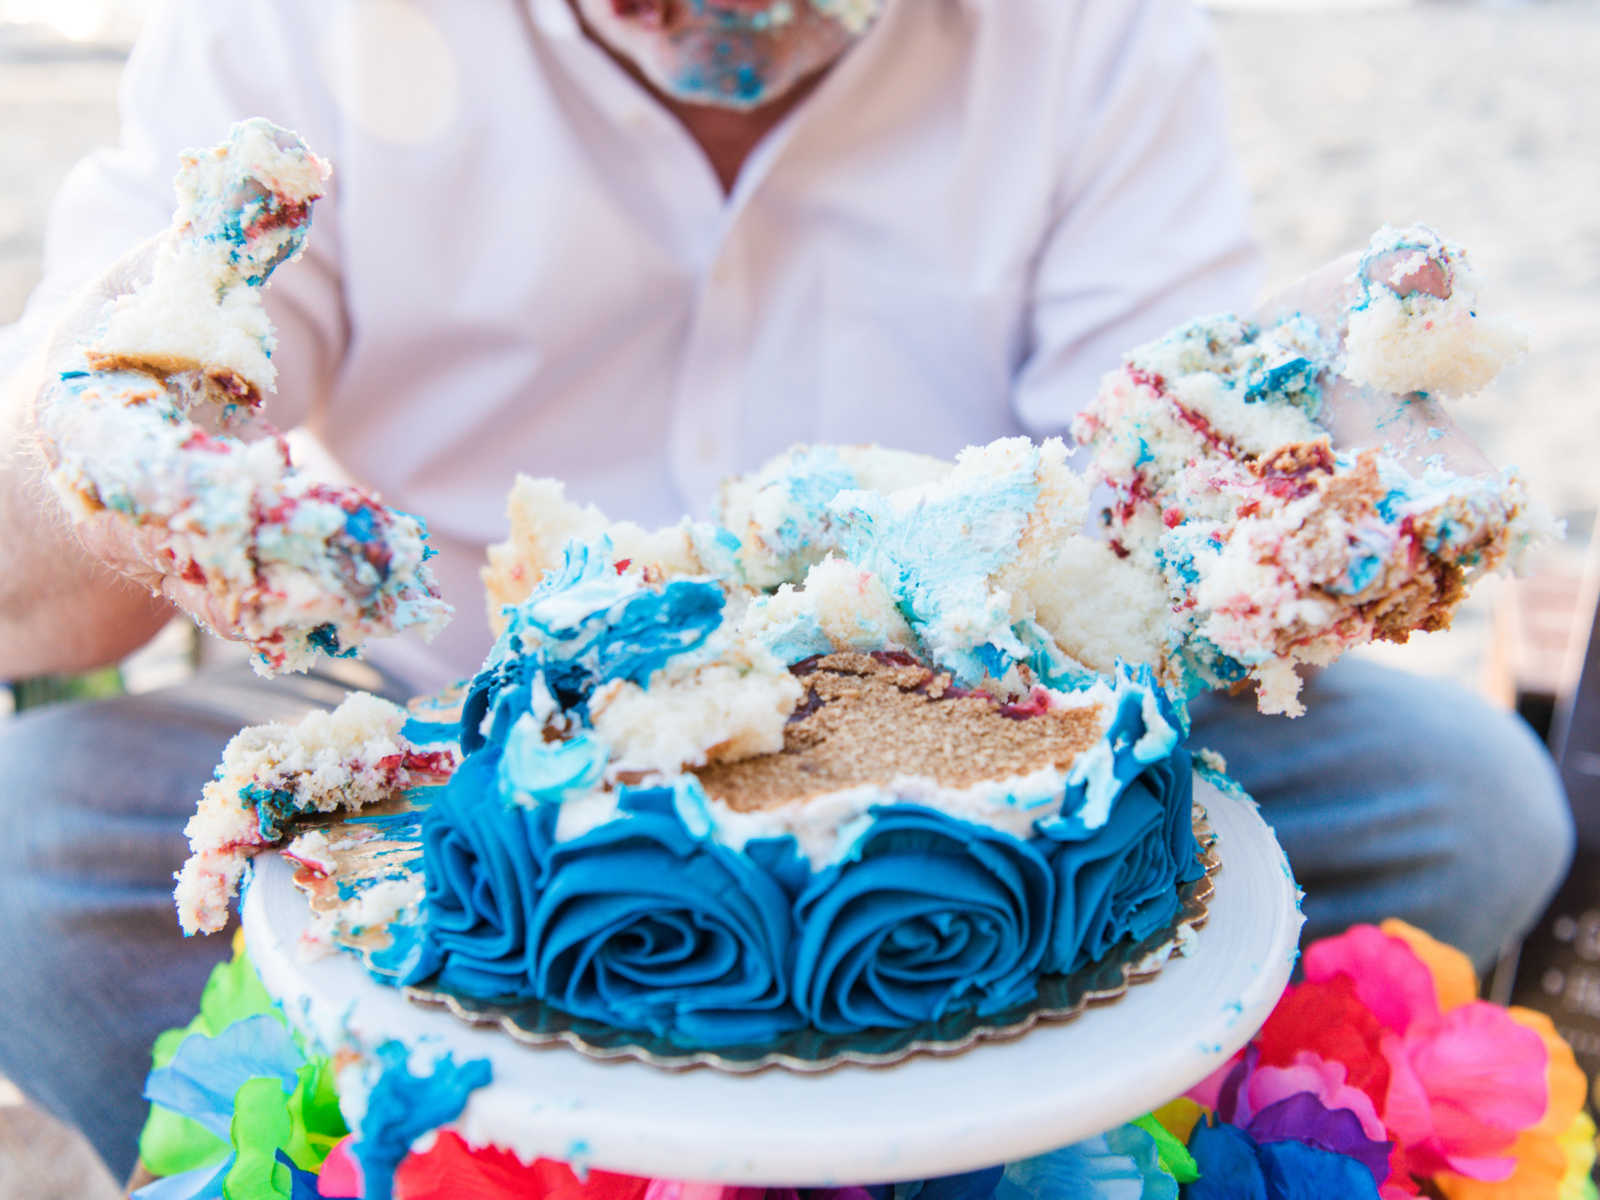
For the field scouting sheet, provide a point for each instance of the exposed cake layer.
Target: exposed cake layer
(346, 759)
(544, 522)
(869, 719)
(782, 513)
(869, 549)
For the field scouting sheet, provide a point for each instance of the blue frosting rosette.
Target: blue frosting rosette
(1120, 882)
(1119, 878)
(928, 915)
(483, 864)
(645, 927)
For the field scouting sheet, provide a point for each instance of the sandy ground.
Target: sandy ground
(1480, 121)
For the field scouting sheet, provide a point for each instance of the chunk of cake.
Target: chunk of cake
(1415, 324)
(301, 567)
(327, 762)
(1276, 549)
(244, 207)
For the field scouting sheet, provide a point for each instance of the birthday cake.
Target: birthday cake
(891, 742)
(722, 817)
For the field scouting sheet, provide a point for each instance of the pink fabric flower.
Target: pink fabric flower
(1462, 1087)
(340, 1174)
(1462, 1084)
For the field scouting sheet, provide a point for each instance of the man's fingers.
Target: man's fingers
(1322, 295)
(142, 556)
(201, 605)
(1406, 272)
(1414, 429)
(86, 310)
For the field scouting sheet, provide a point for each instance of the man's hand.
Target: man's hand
(144, 391)
(1420, 280)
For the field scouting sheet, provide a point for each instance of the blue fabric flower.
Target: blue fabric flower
(1234, 1167)
(1122, 1164)
(642, 926)
(201, 1081)
(483, 859)
(926, 916)
(206, 1072)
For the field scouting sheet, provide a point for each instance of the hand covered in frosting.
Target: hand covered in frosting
(149, 380)
(1294, 478)
(1405, 332)
(139, 553)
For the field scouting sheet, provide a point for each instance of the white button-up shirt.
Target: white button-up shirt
(526, 264)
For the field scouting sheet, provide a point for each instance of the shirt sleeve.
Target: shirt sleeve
(197, 67)
(1152, 222)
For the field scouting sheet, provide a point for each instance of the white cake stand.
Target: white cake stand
(921, 1118)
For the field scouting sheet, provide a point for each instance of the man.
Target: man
(641, 245)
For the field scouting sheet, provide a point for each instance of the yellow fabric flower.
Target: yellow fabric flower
(1579, 1144)
(1179, 1117)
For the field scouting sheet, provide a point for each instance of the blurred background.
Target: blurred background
(1482, 119)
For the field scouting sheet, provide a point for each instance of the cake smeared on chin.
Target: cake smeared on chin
(738, 54)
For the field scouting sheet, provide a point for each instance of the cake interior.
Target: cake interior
(868, 718)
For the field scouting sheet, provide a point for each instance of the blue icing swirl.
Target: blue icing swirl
(1051, 665)
(815, 475)
(534, 771)
(1145, 728)
(797, 639)
(926, 916)
(1122, 882)
(402, 1106)
(1124, 839)
(642, 926)
(584, 626)
(483, 862)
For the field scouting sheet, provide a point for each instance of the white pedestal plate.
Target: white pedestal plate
(920, 1118)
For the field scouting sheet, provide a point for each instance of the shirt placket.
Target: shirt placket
(711, 398)
(708, 398)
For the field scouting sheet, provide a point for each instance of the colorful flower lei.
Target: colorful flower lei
(1380, 1074)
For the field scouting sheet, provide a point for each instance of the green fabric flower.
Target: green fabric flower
(172, 1143)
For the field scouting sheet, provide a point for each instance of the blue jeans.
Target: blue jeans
(1398, 795)
(1393, 796)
